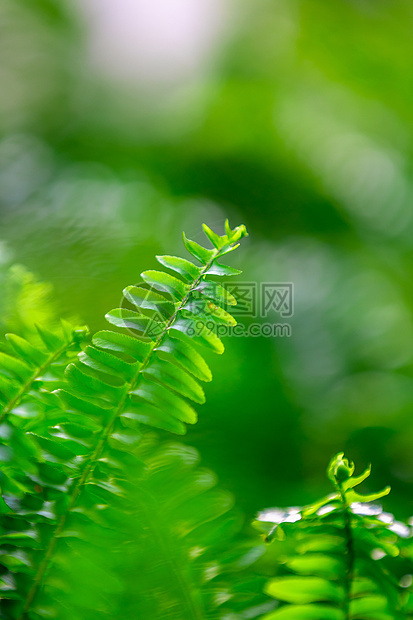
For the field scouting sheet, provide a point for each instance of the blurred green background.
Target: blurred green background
(124, 122)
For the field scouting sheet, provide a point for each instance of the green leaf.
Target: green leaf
(202, 254)
(304, 590)
(316, 564)
(144, 413)
(30, 354)
(368, 607)
(199, 333)
(17, 561)
(352, 496)
(217, 269)
(215, 239)
(54, 447)
(228, 248)
(149, 300)
(321, 542)
(173, 377)
(15, 367)
(9, 387)
(83, 406)
(235, 235)
(129, 319)
(166, 283)
(165, 399)
(207, 310)
(354, 481)
(88, 383)
(363, 586)
(314, 507)
(340, 469)
(180, 265)
(213, 290)
(183, 354)
(107, 363)
(121, 343)
(52, 341)
(228, 230)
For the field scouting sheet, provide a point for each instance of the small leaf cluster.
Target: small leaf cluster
(341, 557)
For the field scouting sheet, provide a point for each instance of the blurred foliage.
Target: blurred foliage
(299, 125)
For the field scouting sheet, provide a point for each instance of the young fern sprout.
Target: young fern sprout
(341, 557)
(86, 429)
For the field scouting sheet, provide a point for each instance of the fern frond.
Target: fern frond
(149, 375)
(26, 363)
(340, 556)
(28, 371)
(119, 383)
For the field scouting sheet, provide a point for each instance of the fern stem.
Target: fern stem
(91, 462)
(350, 556)
(26, 386)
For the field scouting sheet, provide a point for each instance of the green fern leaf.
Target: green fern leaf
(25, 364)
